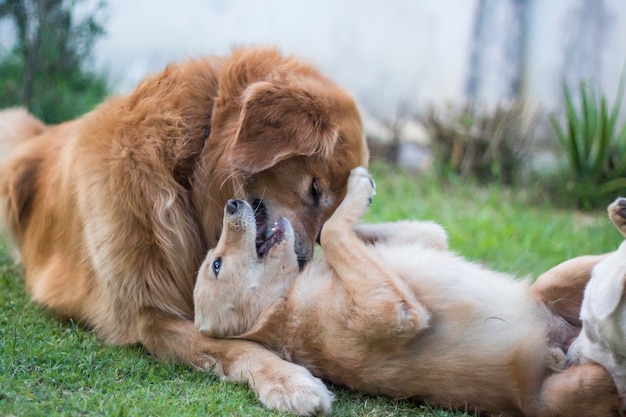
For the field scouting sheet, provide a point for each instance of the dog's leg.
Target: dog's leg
(381, 304)
(408, 232)
(561, 288)
(279, 384)
(579, 391)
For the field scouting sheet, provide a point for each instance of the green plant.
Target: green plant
(594, 144)
(472, 142)
(47, 68)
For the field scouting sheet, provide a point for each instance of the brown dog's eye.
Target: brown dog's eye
(216, 266)
(316, 192)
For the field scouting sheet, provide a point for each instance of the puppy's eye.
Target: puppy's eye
(316, 191)
(216, 265)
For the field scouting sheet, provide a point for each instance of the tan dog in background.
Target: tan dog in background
(113, 213)
(401, 316)
(603, 311)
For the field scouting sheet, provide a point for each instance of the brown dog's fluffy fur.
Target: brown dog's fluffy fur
(112, 213)
(402, 316)
(16, 125)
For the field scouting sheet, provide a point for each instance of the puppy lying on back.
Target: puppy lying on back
(400, 315)
(603, 311)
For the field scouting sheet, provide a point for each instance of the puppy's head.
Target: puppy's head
(291, 136)
(244, 274)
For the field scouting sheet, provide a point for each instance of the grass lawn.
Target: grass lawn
(49, 367)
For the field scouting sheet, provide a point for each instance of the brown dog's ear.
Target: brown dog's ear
(278, 121)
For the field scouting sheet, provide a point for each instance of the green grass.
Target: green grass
(507, 229)
(54, 368)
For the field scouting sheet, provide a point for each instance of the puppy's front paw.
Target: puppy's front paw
(298, 393)
(360, 190)
(361, 186)
(358, 198)
(617, 214)
(556, 359)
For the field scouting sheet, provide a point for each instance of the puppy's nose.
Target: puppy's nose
(232, 206)
(621, 202)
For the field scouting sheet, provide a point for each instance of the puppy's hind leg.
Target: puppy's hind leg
(561, 288)
(382, 305)
(407, 232)
(579, 391)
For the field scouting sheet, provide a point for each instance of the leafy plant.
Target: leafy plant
(475, 143)
(46, 69)
(594, 144)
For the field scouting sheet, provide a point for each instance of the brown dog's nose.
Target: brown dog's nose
(621, 202)
(232, 206)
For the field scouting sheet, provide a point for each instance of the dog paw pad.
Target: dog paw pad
(300, 393)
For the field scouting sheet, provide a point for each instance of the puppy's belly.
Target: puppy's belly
(485, 332)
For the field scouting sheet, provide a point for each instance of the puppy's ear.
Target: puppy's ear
(278, 121)
(606, 287)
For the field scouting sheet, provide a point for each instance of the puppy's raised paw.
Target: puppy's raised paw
(358, 198)
(298, 393)
(360, 184)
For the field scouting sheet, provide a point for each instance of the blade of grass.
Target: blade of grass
(588, 121)
(604, 136)
(620, 95)
(573, 124)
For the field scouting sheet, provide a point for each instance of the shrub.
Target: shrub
(487, 146)
(594, 144)
(47, 69)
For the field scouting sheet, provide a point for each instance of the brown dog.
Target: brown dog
(403, 317)
(113, 213)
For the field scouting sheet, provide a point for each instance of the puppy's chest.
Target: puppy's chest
(314, 316)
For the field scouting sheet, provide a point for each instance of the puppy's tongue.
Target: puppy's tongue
(278, 233)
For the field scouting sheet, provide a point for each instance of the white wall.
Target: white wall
(384, 52)
(388, 53)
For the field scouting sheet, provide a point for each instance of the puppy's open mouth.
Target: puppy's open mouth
(266, 238)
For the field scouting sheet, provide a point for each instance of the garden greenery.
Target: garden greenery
(595, 144)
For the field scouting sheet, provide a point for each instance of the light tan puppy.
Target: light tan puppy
(603, 312)
(113, 213)
(403, 317)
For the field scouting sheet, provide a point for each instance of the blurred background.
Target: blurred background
(389, 54)
(487, 90)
